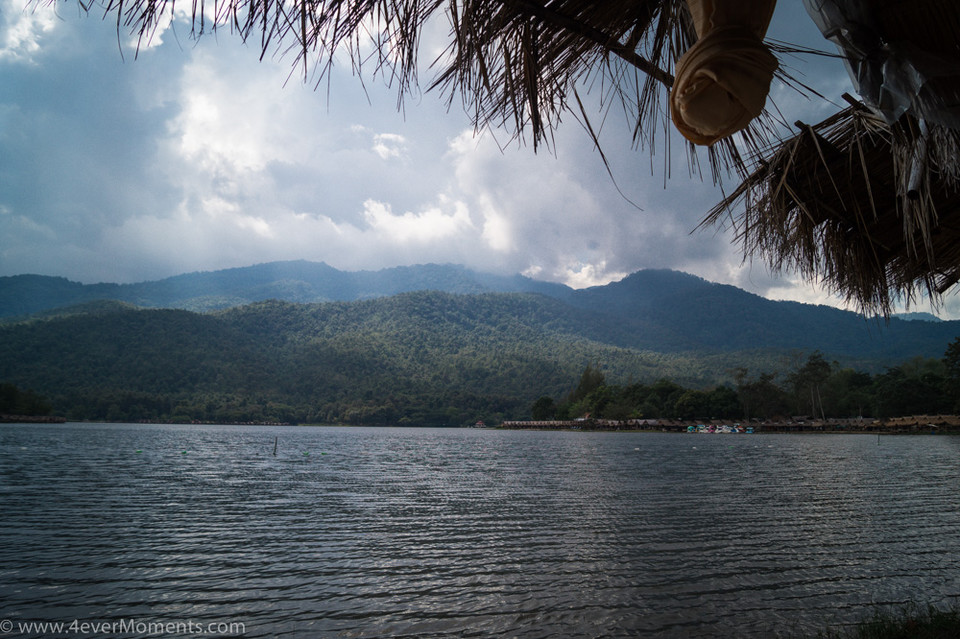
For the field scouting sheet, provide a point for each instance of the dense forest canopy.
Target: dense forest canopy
(427, 358)
(651, 310)
(14, 401)
(814, 388)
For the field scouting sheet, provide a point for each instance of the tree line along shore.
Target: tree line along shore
(31, 419)
(920, 394)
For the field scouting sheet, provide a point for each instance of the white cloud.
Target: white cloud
(581, 275)
(22, 29)
(389, 145)
(225, 212)
(28, 230)
(426, 227)
(497, 229)
(153, 37)
(236, 122)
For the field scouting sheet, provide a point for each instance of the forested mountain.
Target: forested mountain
(414, 358)
(294, 281)
(694, 314)
(422, 357)
(658, 310)
(451, 353)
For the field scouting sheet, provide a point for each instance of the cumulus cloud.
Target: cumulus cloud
(424, 228)
(22, 29)
(389, 145)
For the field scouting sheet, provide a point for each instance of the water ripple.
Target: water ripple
(452, 533)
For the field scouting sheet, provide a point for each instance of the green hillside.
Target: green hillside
(694, 314)
(421, 357)
(451, 354)
(651, 310)
(294, 281)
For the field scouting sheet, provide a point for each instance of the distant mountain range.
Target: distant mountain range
(918, 317)
(652, 310)
(295, 281)
(420, 345)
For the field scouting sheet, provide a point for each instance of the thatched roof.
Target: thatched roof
(836, 203)
(868, 201)
(865, 201)
(514, 64)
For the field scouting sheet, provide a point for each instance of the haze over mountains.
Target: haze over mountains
(658, 310)
(294, 281)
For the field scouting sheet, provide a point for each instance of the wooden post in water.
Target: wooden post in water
(275, 440)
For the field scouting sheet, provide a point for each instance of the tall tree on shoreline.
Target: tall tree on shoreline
(807, 380)
(951, 360)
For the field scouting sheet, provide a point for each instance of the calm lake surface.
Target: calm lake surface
(369, 532)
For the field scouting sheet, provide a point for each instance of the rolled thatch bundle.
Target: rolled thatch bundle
(722, 81)
(519, 62)
(870, 210)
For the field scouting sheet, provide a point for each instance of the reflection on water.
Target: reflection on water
(430, 532)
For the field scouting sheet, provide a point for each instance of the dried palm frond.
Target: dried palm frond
(516, 64)
(867, 202)
(870, 210)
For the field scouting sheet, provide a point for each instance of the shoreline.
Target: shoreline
(915, 424)
(32, 419)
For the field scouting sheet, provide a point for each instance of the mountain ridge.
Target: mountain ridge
(655, 309)
(294, 281)
(417, 358)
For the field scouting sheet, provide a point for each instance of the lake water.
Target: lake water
(369, 532)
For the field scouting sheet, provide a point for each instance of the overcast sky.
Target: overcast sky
(196, 155)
